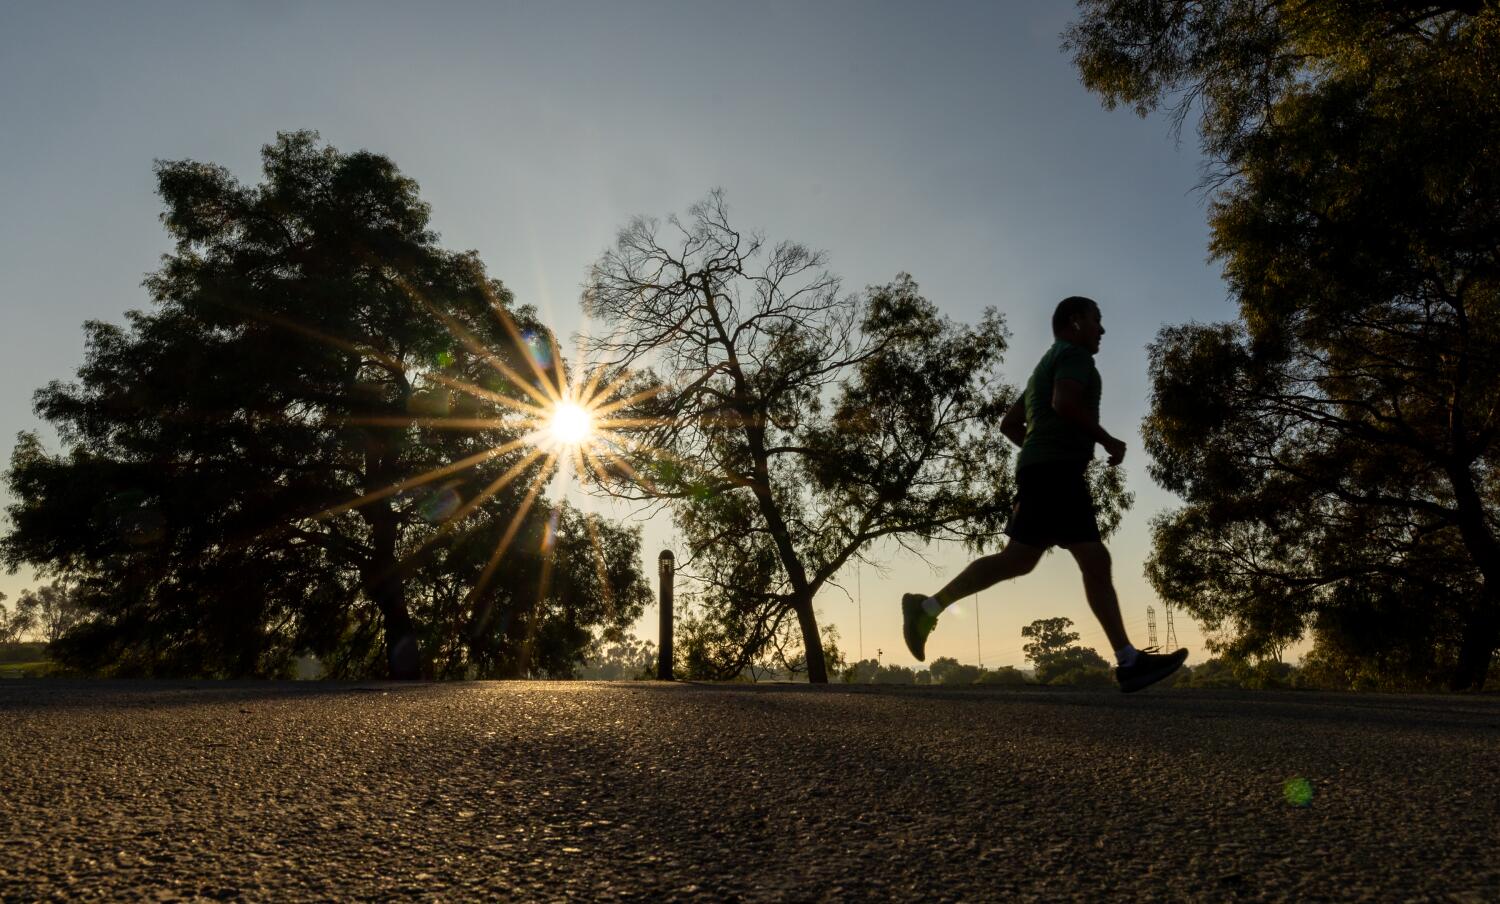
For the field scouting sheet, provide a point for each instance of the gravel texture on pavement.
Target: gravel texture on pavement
(641, 791)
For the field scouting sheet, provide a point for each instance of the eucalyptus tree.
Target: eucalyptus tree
(789, 425)
(319, 439)
(1336, 446)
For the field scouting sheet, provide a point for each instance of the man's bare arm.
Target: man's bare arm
(1013, 425)
(1067, 401)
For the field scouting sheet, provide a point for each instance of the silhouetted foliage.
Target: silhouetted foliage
(788, 425)
(1400, 667)
(944, 671)
(1082, 674)
(12, 624)
(1049, 638)
(615, 655)
(49, 611)
(11, 651)
(1004, 675)
(1056, 656)
(947, 670)
(870, 671)
(783, 659)
(1337, 445)
(243, 468)
(1214, 672)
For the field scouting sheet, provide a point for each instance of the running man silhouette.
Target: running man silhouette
(1056, 424)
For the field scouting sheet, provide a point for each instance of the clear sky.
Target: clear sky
(950, 140)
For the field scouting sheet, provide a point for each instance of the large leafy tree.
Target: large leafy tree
(13, 625)
(1336, 446)
(317, 440)
(1055, 653)
(50, 610)
(789, 425)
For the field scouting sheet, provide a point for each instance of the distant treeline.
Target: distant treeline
(23, 652)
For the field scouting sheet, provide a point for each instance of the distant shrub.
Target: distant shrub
(1005, 675)
(1085, 676)
(949, 671)
(23, 652)
(1213, 673)
(870, 671)
(1269, 675)
(1061, 663)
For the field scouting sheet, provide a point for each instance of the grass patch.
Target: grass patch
(38, 669)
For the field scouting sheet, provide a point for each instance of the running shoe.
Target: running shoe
(1149, 667)
(916, 624)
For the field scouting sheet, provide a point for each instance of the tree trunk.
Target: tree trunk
(385, 584)
(1481, 636)
(403, 654)
(812, 641)
(1482, 631)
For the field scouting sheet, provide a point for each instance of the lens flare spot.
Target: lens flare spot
(144, 527)
(549, 534)
(439, 505)
(539, 347)
(1297, 791)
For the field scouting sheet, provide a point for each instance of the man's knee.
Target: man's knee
(1092, 558)
(1022, 557)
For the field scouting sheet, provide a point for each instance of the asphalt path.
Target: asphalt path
(643, 791)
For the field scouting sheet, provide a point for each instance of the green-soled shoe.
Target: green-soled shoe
(916, 624)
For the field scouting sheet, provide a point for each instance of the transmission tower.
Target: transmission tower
(1151, 626)
(1171, 631)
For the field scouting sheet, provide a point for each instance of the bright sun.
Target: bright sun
(571, 424)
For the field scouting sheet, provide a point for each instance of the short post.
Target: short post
(666, 569)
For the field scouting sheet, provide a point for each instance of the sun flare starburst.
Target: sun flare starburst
(580, 428)
(571, 424)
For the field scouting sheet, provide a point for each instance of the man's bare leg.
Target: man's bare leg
(1135, 669)
(1013, 561)
(1093, 560)
(919, 614)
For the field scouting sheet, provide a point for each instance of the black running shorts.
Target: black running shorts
(1053, 505)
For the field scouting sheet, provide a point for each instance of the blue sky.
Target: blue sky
(949, 140)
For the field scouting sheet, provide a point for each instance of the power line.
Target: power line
(859, 602)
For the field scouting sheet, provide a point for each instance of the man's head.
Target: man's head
(1077, 320)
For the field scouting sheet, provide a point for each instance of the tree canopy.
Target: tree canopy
(1336, 445)
(1056, 655)
(319, 440)
(790, 425)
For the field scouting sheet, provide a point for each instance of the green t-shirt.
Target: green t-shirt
(1048, 436)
